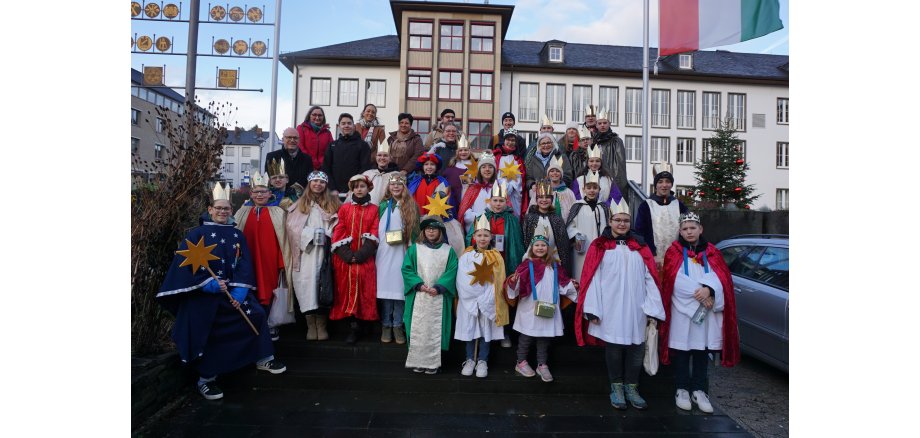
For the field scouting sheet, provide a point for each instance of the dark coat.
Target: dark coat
(297, 168)
(346, 157)
(614, 157)
(536, 171)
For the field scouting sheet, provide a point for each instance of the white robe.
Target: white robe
(665, 226)
(622, 294)
(389, 259)
(589, 223)
(380, 182)
(532, 325)
(476, 306)
(604, 182)
(515, 192)
(425, 334)
(480, 204)
(684, 334)
(311, 259)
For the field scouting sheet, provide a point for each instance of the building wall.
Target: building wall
(386, 114)
(146, 130)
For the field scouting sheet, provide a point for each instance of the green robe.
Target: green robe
(448, 279)
(514, 239)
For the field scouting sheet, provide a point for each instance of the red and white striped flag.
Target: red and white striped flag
(688, 25)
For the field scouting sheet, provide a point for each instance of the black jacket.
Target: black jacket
(346, 157)
(297, 168)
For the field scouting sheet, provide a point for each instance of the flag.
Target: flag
(688, 25)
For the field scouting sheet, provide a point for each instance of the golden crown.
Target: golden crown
(499, 190)
(583, 132)
(397, 177)
(621, 207)
(482, 224)
(592, 177)
(555, 163)
(591, 110)
(603, 114)
(594, 152)
(383, 146)
(544, 188)
(661, 167)
(258, 179)
(276, 167)
(463, 142)
(546, 121)
(220, 192)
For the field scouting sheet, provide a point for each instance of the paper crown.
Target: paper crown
(555, 163)
(593, 177)
(544, 188)
(583, 132)
(220, 192)
(383, 146)
(603, 114)
(546, 121)
(594, 152)
(487, 157)
(276, 167)
(396, 177)
(499, 189)
(257, 179)
(690, 217)
(482, 224)
(591, 110)
(620, 208)
(661, 167)
(463, 143)
(541, 232)
(318, 175)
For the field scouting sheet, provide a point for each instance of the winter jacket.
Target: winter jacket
(314, 143)
(346, 157)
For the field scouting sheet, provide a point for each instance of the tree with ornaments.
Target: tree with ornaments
(720, 175)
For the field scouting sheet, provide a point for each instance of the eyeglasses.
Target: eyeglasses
(260, 192)
(221, 208)
(316, 115)
(621, 221)
(295, 138)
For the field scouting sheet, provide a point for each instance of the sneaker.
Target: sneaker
(633, 397)
(506, 343)
(702, 401)
(273, 366)
(544, 373)
(418, 370)
(210, 391)
(468, 366)
(617, 399)
(386, 336)
(399, 333)
(431, 371)
(482, 369)
(682, 399)
(523, 368)
(273, 331)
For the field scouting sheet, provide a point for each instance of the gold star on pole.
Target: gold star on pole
(482, 273)
(471, 168)
(437, 205)
(197, 255)
(511, 170)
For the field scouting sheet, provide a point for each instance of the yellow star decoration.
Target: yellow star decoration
(511, 170)
(471, 168)
(482, 273)
(197, 255)
(437, 205)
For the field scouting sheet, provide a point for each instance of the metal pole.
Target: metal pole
(191, 65)
(645, 96)
(271, 127)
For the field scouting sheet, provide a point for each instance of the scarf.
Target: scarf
(370, 130)
(361, 200)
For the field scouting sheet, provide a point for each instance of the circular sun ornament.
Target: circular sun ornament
(218, 13)
(170, 11)
(144, 43)
(254, 14)
(240, 47)
(221, 46)
(163, 43)
(236, 13)
(258, 48)
(135, 9)
(152, 10)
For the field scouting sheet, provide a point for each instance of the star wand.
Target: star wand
(198, 255)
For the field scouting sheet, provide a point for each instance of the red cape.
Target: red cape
(472, 192)
(592, 261)
(673, 258)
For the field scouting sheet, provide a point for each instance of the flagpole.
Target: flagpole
(645, 96)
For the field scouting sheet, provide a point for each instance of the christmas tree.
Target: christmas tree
(720, 175)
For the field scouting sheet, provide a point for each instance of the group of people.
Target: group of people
(437, 243)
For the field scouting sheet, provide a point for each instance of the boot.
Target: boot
(311, 327)
(320, 321)
(352, 337)
(399, 333)
(386, 335)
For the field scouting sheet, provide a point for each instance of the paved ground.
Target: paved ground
(755, 395)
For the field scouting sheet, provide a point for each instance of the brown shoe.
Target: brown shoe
(400, 334)
(321, 334)
(311, 327)
(386, 336)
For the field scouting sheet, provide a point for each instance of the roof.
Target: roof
(247, 137)
(594, 58)
(138, 78)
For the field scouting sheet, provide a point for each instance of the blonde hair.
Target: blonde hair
(330, 204)
(547, 258)
(408, 210)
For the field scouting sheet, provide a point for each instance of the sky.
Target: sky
(310, 24)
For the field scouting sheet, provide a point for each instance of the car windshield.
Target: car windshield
(766, 264)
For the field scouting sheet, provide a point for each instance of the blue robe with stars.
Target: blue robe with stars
(209, 333)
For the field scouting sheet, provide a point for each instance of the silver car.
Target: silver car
(760, 270)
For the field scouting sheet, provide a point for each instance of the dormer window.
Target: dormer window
(555, 54)
(686, 62)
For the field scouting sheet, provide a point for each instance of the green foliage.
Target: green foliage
(720, 176)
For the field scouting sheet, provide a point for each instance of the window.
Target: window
(686, 62)
(420, 35)
(158, 151)
(660, 150)
(481, 86)
(480, 134)
(633, 107)
(376, 92)
(686, 148)
(135, 91)
(742, 146)
(782, 110)
(482, 38)
(320, 89)
(661, 108)
(449, 85)
(348, 92)
(782, 155)
(773, 267)
(731, 254)
(528, 102)
(555, 102)
(452, 37)
(135, 144)
(711, 103)
(422, 127)
(782, 199)
(682, 191)
(142, 93)
(555, 54)
(633, 148)
(735, 112)
(161, 100)
(686, 109)
(706, 149)
(245, 167)
(581, 98)
(161, 124)
(419, 84)
(229, 151)
(246, 152)
(135, 116)
(228, 167)
(608, 98)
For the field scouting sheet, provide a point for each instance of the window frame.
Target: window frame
(480, 137)
(245, 152)
(782, 155)
(158, 151)
(590, 101)
(652, 149)
(313, 91)
(135, 145)
(549, 54)
(685, 65)
(421, 36)
(135, 116)
(229, 151)
(357, 83)
(785, 199)
(450, 84)
(730, 111)
(614, 114)
(691, 106)
(782, 111)
(657, 104)
(638, 148)
(491, 86)
(484, 24)
(416, 122)
(637, 105)
(546, 106)
(462, 37)
(681, 141)
(409, 84)
(160, 125)
(367, 86)
(713, 117)
(522, 113)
